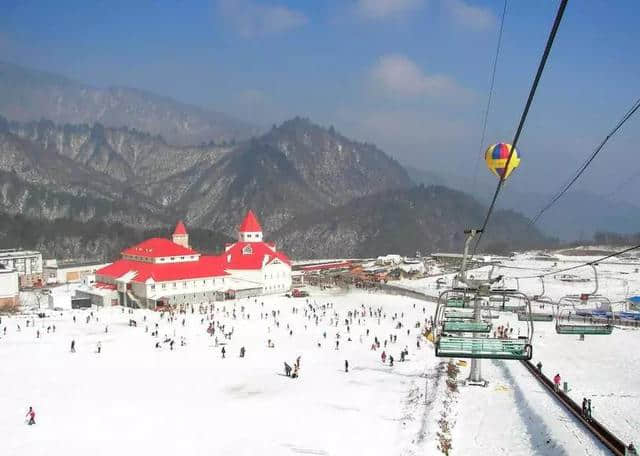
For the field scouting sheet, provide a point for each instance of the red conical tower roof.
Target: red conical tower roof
(180, 228)
(250, 224)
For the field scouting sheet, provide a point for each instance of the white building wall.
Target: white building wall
(167, 289)
(248, 275)
(8, 283)
(250, 236)
(24, 262)
(276, 278)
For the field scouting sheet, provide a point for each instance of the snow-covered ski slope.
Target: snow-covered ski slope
(601, 368)
(136, 399)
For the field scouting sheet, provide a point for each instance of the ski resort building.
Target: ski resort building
(27, 263)
(255, 261)
(161, 272)
(9, 293)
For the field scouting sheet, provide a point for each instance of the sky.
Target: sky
(411, 76)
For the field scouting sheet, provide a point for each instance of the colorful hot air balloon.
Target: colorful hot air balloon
(496, 157)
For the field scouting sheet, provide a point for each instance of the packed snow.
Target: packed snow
(136, 398)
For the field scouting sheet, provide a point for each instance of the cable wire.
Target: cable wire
(586, 164)
(589, 263)
(523, 117)
(491, 85)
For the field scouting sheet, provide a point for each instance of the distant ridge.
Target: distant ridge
(30, 95)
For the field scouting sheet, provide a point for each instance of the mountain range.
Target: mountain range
(578, 215)
(316, 191)
(28, 95)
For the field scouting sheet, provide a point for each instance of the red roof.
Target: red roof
(180, 228)
(236, 258)
(158, 247)
(250, 223)
(206, 266)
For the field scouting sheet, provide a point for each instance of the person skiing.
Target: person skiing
(223, 352)
(99, 347)
(390, 361)
(346, 365)
(31, 416)
(383, 356)
(242, 351)
(287, 369)
(73, 346)
(556, 382)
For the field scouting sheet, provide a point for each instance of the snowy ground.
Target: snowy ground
(601, 368)
(136, 399)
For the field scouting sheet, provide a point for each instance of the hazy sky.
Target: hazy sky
(410, 75)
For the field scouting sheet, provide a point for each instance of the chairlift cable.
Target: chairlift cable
(589, 263)
(491, 86)
(523, 117)
(634, 108)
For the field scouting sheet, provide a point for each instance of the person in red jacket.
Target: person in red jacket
(31, 416)
(556, 382)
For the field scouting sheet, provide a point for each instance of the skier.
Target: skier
(390, 361)
(31, 416)
(383, 356)
(223, 352)
(242, 352)
(346, 365)
(73, 346)
(556, 382)
(99, 347)
(287, 369)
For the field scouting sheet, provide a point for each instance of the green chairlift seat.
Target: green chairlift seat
(466, 326)
(535, 316)
(458, 315)
(584, 330)
(483, 348)
(455, 303)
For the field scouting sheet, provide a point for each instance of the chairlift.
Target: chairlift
(476, 343)
(580, 328)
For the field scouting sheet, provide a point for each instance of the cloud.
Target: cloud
(397, 76)
(251, 19)
(474, 17)
(379, 9)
